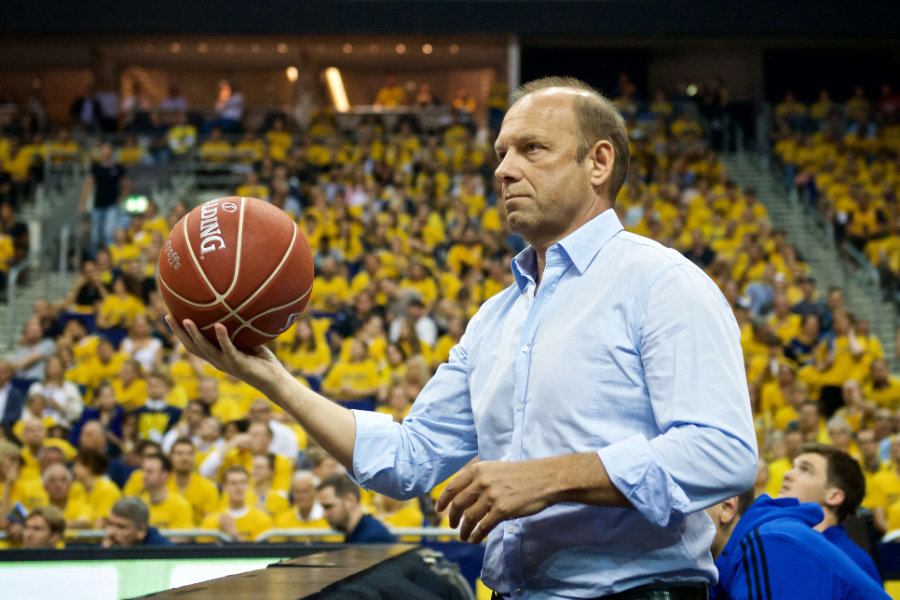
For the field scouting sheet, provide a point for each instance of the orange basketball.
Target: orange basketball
(237, 261)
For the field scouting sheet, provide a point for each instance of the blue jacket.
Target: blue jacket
(369, 530)
(15, 402)
(155, 538)
(775, 554)
(837, 535)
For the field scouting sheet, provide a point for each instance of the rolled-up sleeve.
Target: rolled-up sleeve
(434, 441)
(693, 367)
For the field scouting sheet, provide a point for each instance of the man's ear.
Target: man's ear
(728, 513)
(834, 497)
(602, 157)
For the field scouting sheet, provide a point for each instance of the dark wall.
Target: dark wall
(598, 66)
(806, 71)
(808, 18)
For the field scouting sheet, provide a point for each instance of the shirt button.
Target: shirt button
(511, 529)
(518, 407)
(518, 591)
(526, 348)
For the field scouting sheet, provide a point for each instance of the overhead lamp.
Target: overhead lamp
(336, 88)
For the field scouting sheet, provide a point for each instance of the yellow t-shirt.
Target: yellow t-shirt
(77, 509)
(119, 255)
(243, 394)
(356, 376)
(777, 469)
(281, 480)
(172, 513)
(305, 361)
(102, 497)
(885, 489)
(290, 519)
(121, 311)
(886, 397)
(250, 525)
(29, 492)
(201, 493)
(132, 397)
(328, 293)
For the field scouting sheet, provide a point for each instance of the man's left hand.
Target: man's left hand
(484, 494)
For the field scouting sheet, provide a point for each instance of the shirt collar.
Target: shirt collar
(581, 246)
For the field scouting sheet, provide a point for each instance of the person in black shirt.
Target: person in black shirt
(109, 182)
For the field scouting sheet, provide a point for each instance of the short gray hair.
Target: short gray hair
(132, 508)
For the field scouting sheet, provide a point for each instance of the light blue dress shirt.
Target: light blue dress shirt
(627, 350)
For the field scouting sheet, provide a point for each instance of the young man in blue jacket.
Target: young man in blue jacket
(833, 480)
(768, 550)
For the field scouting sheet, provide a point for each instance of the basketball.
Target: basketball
(237, 261)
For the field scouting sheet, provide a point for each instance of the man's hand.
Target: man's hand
(484, 494)
(258, 367)
(228, 525)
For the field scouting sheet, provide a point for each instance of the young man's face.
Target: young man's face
(37, 533)
(335, 509)
(807, 479)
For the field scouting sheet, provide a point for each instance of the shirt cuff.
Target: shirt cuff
(634, 470)
(369, 457)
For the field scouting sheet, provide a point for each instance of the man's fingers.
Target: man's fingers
(460, 482)
(490, 520)
(472, 516)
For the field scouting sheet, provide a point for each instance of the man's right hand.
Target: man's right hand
(258, 367)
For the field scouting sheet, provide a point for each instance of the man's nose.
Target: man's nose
(506, 170)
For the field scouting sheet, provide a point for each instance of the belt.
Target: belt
(688, 590)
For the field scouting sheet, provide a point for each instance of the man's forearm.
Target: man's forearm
(331, 425)
(578, 478)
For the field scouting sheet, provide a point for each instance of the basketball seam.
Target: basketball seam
(232, 312)
(219, 297)
(249, 324)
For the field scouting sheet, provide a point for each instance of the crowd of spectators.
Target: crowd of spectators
(99, 402)
(843, 158)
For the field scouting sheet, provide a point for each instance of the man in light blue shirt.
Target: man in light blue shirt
(603, 393)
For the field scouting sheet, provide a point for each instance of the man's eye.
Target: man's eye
(533, 147)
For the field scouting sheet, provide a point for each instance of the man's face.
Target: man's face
(235, 487)
(895, 450)
(57, 485)
(194, 414)
(809, 417)
(259, 412)
(154, 475)
(34, 433)
(182, 458)
(807, 479)
(37, 533)
(123, 532)
(335, 509)
(546, 193)
(868, 447)
(91, 437)
(260, 469)
(259, 437)
(303, 494)
(880, 371)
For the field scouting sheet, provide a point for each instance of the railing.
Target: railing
(427, 532)
(73, 535)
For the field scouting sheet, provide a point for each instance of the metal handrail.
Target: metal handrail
(11, 284)
(313, 532)
(93, 534)
(292, 532)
